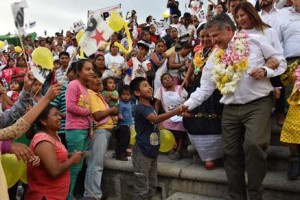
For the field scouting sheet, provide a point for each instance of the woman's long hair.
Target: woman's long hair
(253, 15)
(43, 116)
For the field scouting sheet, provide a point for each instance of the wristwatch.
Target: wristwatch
(265, 72)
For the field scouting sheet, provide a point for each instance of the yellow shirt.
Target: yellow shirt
(97, 104)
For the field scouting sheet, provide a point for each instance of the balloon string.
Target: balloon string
(37, 91)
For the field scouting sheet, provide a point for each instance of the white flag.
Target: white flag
(18, 12)
(32, 24)
(97, 33)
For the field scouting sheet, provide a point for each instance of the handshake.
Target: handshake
(182, 110)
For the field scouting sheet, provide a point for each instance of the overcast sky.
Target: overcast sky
(53, 15)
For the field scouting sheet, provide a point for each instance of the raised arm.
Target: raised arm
(9, 117)
(23, 124)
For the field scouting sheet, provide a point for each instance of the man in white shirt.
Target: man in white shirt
(73, 49)
(270, 14)
(175, 20)
(246, 121)
(187, 27)
(60, 74)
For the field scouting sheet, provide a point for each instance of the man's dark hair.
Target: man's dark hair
(64, 53)
(220, 21)
(148, 18)
(135, 84)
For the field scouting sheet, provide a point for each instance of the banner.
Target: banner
(40, 73)
(78, 25)
(18, 13)
(104, 12)
(95, 35)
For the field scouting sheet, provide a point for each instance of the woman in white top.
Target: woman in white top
(168, 97)
(115, 63)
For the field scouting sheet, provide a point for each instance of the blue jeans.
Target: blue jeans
(93, 177)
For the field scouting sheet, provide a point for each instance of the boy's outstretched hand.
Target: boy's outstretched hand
(183, 109)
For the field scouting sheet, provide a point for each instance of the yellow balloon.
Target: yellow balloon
(18, 49)
(166, 14)
(167, 140)
(79, 35)
(115, 22)
(2, 45)
(132, 135)
(11, 168)
(43, 57)
(23, 172)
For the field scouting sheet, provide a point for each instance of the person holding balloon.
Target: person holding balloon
(167, 98)
(16, 130)
(145, 151)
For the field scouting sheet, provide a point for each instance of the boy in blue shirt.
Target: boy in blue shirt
(125, 120)
(145, 151)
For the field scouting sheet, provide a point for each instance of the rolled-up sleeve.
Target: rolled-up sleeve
(9, 117)
(206, 88)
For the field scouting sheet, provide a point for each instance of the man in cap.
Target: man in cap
(187, 27)
(175, 21)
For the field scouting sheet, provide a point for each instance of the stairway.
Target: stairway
(187, 179)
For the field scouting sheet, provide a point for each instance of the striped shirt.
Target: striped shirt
(60, 104)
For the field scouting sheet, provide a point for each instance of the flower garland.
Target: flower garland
(200, 58)
(229, 67)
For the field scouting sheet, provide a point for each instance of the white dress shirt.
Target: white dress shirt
(248, 88)
(290, 32)
(271, 18)
(271, 36)
(182, 30)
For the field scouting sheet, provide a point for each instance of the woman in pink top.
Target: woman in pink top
(8, 70)
(51, 179)
(77, 115)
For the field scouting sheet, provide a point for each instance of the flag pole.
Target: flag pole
(23, 49)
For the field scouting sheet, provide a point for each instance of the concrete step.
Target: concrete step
(278, 158)
(185, 176)
(189, 196)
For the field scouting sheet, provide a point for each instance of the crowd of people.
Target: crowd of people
(212, 77)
